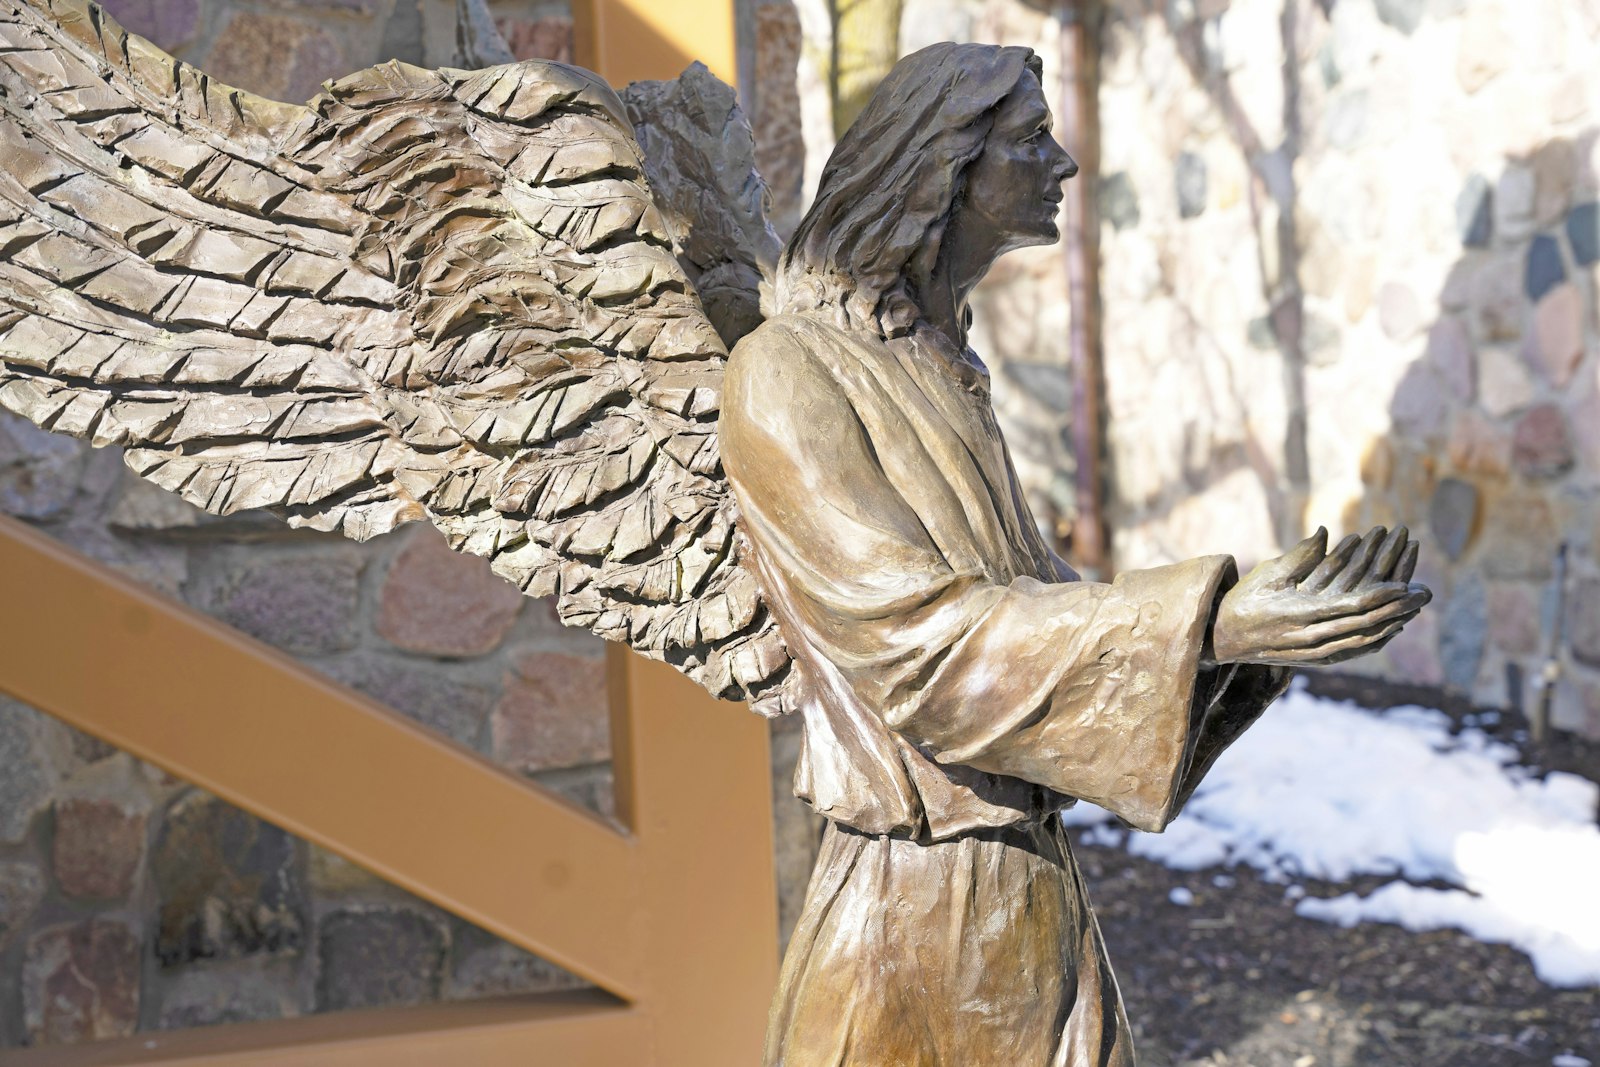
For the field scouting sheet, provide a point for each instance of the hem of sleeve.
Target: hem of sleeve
(1203, 580)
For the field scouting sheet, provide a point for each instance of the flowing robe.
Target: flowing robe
(959, 686)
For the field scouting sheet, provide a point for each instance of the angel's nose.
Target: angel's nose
(1066, 168)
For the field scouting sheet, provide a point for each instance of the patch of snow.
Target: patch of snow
(1566, 1059)
(1084, 813)
(1103, 834)
(1328, 790)
(1180, 896)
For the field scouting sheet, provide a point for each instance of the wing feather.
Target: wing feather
(440, 294)
(175, 285)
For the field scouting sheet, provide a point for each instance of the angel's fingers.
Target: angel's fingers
(1384, 592)
(1374, 647)
(1408, 563)
(1357, 643)
(1331, 565)
(1303, 558)
(1352, 644)
(1340, 657)
(1311, 636)
(1332, 605)
(1361, 562)
(1347, 613)
(1388, 556)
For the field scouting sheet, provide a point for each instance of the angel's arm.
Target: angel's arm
(1092, 689)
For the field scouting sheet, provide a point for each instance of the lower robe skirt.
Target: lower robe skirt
(980, 951)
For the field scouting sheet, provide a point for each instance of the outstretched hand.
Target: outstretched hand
(1311, 606)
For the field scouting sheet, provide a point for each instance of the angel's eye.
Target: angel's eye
(1035, 136)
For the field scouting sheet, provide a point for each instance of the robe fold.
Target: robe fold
(959, 686)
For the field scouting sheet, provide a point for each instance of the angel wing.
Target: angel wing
(427, 294)
(699, 156)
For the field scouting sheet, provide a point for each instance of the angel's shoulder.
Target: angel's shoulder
(777, 337)
(778, 357)
(780, 385)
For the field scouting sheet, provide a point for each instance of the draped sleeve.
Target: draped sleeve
(1094, 690)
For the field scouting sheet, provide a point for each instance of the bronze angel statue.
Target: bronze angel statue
(504, 300)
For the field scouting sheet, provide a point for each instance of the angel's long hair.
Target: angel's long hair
(892, 184)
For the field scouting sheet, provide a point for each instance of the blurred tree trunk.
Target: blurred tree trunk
(866, 44)
(1089, 542)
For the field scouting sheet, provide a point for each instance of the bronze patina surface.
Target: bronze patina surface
(502, 301)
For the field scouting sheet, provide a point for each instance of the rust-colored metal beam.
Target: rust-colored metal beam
(694, 781)
(253, 726)
(633, 40)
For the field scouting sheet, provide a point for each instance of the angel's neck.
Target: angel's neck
(965, 256)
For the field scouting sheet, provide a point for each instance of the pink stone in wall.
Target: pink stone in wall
(542, 38)
(1583, 620)
(1505, 384)
(1478, 446)
(97, 847)
(1420, 404)
(361, 7)
(168, 24)
(553, 712)
(1496, 298)
(1540, 446)
(1555, 164)
(1557, 341)
(1450, 352)
(1585, 418)
(444, 603)
(302, 603)
(22, 887)
(81, 983)
(1591, 704)
(1483, 53)
(1577, 706)
(275, 56)
(1514, 616)
(1414, 652)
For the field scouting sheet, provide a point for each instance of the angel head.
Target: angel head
(950, 165)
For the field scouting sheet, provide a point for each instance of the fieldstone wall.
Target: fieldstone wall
(1196, 387)
(1350, 258)
(130, 901)
(285, 49)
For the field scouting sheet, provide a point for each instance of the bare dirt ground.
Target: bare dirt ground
(1236, 979)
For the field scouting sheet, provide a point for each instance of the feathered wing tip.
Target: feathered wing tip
(173, 284)
(441, 294)
(699, 156)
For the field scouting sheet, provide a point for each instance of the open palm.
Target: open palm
(1311, 606)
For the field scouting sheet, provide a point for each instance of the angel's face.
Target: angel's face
(1015, 186)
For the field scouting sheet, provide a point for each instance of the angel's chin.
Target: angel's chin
(1046, 233)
